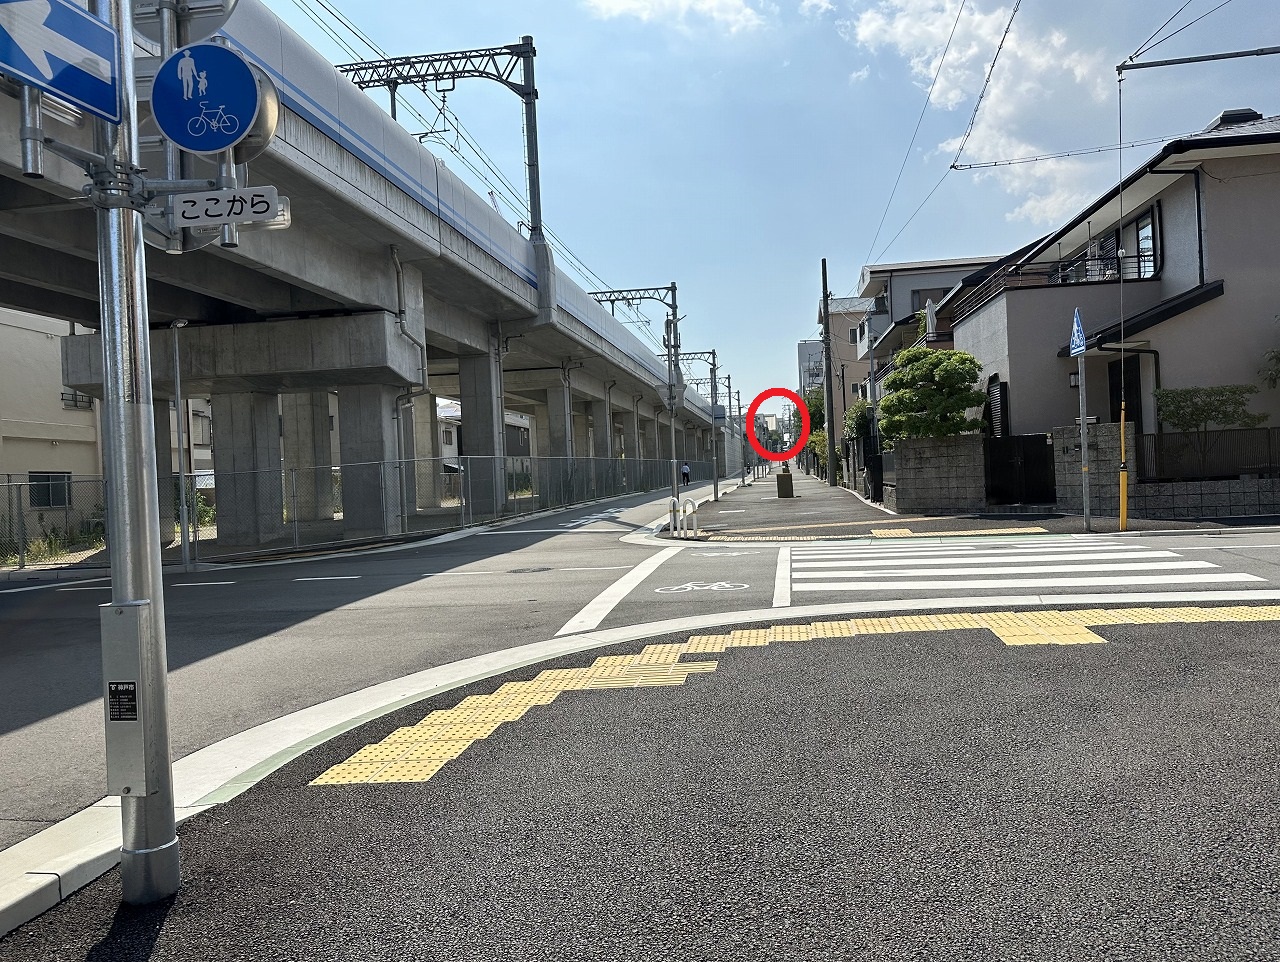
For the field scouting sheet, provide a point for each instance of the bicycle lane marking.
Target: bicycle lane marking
(599, 607)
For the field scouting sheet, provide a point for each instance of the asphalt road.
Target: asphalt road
(909, 795)
(250, 644)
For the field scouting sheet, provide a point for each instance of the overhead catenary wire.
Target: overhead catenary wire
(512, 195)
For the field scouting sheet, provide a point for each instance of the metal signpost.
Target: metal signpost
(88, 61)
(1078, 344)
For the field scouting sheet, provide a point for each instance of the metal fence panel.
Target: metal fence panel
(1201, 455)
(253, 513)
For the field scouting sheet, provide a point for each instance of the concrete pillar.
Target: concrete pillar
(602, 429)
(308, 475)
(581, 435)
(655, 439)
(631, 448)
(246, 468)
(426, 452)
(166, 475)
(484, 482)
(370, 479)
(559, 422)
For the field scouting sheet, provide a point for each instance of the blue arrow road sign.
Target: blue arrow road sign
(59, 47)
(1077, 336)
(205, 98)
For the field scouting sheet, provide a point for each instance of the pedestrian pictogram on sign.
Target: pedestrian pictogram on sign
(205, 98)
(1077, 336)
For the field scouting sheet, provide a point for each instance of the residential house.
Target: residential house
(1173, 272)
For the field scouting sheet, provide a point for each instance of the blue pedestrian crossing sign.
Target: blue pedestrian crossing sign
(61, 48)
(1077, 336)
(205, 98)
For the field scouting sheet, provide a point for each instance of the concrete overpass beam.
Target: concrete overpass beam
(370, 478)
(246, 468)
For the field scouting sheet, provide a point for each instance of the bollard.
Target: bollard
(786, 484)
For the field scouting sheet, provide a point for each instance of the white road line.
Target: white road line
(47, 584)
(933, 585)
(608, 568)
(980, 559)
(614, 530)
(1015, 570)
(782, 580)
(331, 578)
(599, 607)
(940, 551)
(198, 584)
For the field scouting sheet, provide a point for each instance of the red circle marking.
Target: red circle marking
(795, 399)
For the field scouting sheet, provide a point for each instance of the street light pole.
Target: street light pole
(832, 481)
(184, 530)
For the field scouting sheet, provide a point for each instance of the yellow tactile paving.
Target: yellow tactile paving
(417, 752)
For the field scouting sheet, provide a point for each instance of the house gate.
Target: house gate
(1020, 469)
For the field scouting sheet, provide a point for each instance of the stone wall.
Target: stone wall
(939, 476)
(1179, 500)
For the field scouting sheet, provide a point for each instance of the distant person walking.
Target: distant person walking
(684, 473)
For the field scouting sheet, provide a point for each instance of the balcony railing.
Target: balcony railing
(1080, 270)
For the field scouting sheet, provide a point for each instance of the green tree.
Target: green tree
(1191, 410)
(929, 394)
(1271, 367)
(1196, 408)
(857, 420)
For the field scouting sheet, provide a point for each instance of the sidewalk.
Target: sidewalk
(820, 512)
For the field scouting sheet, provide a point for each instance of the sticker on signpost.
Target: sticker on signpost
(205, 98)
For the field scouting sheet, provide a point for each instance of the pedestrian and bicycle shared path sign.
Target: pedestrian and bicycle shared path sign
(60, 48)
(205, 98)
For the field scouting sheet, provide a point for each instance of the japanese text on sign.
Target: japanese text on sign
(226, 206)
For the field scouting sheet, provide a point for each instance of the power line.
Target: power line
(1184, 26)
(986, 83)
(886, 247)
(1068, 153)
(1142, 47)
(924, 107)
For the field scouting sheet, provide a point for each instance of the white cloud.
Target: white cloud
(811, 8)
(1040, 80)
(862, 73)
(735, 15)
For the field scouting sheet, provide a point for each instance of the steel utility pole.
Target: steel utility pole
(832, 481)
(133, 635)
(670, 341)
(710, 358)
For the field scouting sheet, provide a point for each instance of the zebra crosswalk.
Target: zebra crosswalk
(1038, 566)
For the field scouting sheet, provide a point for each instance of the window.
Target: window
(1146, 245)
(74, 400)
(201, 428)
(446, 436)
(920, 298)
(50, 489)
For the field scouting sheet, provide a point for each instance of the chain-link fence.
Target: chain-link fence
(62, 521)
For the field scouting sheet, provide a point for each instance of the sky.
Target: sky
(730, 145)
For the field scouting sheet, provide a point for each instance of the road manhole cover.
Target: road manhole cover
(525, 571)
